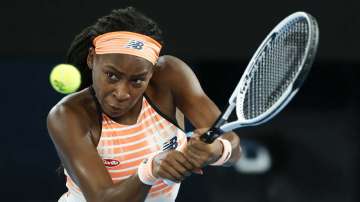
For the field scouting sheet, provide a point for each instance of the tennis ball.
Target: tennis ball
(65, 78)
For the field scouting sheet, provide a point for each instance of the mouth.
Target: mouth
(115, 111)
(116, 108)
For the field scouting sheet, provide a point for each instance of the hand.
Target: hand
(171, 165)
(201, 154)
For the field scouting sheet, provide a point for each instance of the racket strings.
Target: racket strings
(276, 68)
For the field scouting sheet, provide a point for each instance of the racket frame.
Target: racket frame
(220, 126)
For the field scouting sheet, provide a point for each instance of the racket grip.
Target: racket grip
(214, 132)
(211, 135)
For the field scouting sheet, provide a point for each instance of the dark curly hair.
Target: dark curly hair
(127, 19)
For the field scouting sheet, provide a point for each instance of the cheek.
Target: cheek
(95, 75)
(100, 81)
(101, 87)
(137, 92)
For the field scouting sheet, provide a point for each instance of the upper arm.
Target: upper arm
(188, 94)
(70, 135)
(192, 100)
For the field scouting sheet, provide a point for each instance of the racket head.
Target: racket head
(277, 70)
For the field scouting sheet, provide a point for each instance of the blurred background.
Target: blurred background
(308, 153)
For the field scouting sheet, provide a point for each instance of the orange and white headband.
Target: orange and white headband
(128, 43)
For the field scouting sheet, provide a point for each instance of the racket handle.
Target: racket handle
(211, 135)
(215, 131)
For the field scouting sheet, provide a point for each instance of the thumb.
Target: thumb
(198, 132)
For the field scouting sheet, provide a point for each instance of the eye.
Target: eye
(138, 82)
(112, 77)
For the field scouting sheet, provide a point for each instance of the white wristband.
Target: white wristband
(225, 156)
(145, 171)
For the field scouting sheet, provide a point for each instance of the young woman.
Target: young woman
(118, 139)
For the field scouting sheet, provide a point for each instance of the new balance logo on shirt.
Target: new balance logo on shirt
(171, 144)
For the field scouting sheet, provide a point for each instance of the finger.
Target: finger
(171, 173)
(198, 150)
(202, 156)
(198, 171)
(193, 157)
(183, 161)
(184, 172)
(165, 175)
(204, 149)
(200, 145)
(195, 135)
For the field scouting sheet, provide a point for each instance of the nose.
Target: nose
(121, 92)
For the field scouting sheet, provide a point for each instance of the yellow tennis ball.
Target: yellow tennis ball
(65, 78)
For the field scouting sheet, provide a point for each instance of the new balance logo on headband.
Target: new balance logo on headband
(135, 44)
(128, 43)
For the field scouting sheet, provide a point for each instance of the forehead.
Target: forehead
(123, 62)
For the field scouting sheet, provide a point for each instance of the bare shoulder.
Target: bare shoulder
(169, 70)
(76, 108)
(186, 91)
(169, 60)
(169, 64)
(77, 103)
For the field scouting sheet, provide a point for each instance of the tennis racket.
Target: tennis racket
(273, 76)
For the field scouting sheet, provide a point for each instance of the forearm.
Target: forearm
(131, 189)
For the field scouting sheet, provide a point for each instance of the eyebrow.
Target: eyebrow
(122, 73)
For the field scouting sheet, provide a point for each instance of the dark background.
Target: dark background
(314, 142)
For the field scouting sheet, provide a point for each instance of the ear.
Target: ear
(90, 58)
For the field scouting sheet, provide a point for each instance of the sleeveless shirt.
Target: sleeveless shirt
(123, 147)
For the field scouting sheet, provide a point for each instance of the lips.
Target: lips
(116, 110)
(115, 107)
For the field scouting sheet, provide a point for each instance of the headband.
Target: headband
(128, 43)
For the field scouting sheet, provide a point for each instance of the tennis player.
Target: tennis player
(118, 138)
